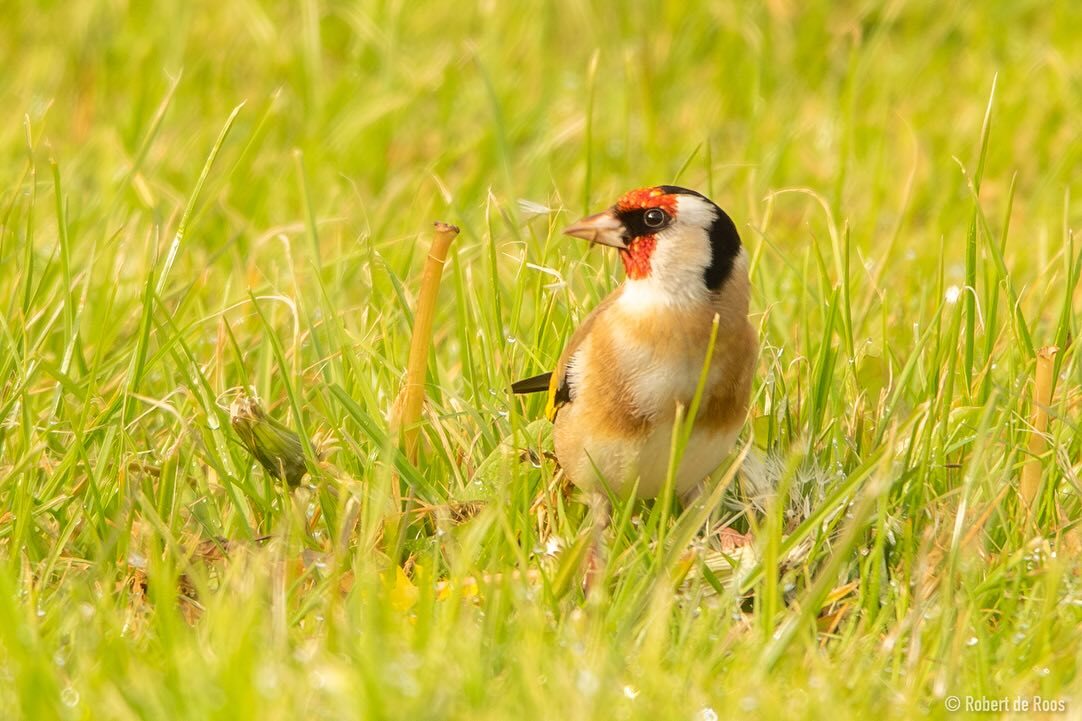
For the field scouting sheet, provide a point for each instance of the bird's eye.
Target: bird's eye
(654, 218)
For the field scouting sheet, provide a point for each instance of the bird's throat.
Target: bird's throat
(636, 256)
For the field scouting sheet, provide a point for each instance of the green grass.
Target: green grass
(205, 196)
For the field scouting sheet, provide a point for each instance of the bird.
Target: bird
(637, 358)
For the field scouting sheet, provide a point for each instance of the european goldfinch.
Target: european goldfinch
(614, 394)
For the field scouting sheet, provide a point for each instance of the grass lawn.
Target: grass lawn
(201, 198)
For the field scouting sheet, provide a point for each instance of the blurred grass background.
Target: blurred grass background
(135, 583)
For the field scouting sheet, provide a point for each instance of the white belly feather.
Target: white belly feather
(616, 463)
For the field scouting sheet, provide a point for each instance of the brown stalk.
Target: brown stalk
(407, 408)
(1038, 440)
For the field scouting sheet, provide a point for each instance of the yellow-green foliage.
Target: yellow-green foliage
(200, 197)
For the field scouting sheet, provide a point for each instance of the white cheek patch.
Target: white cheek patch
(682, 255)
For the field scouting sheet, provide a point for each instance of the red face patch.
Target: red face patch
(636, 256)
(642, 198)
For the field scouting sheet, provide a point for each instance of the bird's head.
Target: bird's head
(667, 235)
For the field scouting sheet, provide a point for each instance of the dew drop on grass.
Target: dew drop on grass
(631, 692)
(318, 679)
(587, 682)
(266, 680)
(69, 697)
(972, 641)
(707, 714)
(305, 653)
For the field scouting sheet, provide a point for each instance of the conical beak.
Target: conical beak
(602, 228)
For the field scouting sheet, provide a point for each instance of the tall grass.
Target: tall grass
(197, 198)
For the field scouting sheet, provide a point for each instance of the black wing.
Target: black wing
(557, 395)
(535, 384)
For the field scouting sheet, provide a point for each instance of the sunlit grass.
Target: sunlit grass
(198, 199)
